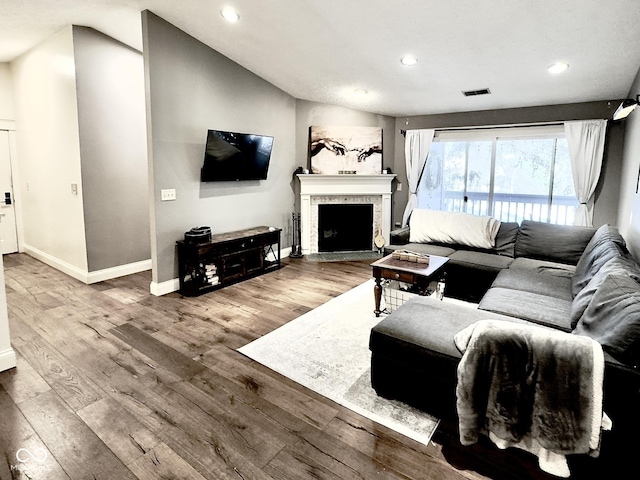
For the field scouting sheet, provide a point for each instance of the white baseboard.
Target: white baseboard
(7, 359)
(163, 288)
(83, 275)
(173, 285)
(56, 263)
(119, 271)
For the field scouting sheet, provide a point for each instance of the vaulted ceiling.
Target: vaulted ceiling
(325, 50)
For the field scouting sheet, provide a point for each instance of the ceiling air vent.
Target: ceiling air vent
(475, 93)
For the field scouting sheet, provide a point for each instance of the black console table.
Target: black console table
(227, 258)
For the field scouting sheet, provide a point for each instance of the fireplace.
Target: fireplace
(345, 227)
(344, 189)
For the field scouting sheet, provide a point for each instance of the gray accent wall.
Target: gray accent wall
(113, 149)
(191, 88)
(629, 215)
(607, 198)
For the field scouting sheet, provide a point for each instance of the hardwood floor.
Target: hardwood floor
(114, 383)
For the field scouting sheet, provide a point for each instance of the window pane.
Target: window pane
(564, 201)
(523, 179)
(455, 170)
(458, 176)
(479, 178)
(430, 189)
(455, 165)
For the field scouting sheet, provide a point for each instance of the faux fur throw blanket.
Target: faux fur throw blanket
(533, 388)
(452, 227)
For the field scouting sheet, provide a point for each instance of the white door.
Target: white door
(8, 232)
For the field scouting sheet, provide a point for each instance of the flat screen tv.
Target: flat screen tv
(231, 156)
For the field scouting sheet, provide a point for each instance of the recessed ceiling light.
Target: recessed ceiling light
(408, 60)
(558, 67)
(230, 15)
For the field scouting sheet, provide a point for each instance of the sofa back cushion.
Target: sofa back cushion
(618, 265)
(612, 318)
(607, 233)
(599, 245)
(506, 239)
(557, 243)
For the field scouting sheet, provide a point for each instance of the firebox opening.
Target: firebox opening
(345, 227)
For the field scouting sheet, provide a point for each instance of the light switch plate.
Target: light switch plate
(167, 194)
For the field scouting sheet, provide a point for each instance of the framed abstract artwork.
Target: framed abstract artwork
(345, 150)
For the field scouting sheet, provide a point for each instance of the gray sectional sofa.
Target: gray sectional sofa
(472, 271)
(574, 279)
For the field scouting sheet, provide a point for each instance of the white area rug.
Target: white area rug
(327, 350)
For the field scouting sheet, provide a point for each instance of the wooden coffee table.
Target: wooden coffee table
(417, 274)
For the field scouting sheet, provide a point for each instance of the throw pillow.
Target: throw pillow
(427, 226)
(619, 265)
(613, 318)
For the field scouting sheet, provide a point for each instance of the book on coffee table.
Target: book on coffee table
(409, 256)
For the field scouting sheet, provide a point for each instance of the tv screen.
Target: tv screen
(236, 156)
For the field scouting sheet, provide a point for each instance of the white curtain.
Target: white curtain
(416, 150)
(586, 147)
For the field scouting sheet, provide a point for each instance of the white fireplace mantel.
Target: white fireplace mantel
(344, 188)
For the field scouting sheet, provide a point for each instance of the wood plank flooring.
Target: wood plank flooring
(114, 383)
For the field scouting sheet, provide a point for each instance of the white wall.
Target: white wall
(48, 147)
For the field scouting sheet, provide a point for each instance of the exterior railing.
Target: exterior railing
(514, 207)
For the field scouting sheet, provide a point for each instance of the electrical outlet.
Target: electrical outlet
(167, 194)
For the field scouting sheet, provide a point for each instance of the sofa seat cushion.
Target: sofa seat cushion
(612, 318)
(556, 243)
(479, 260)
(427, 248)
(542, 266)
(424, 325)
(534, 281)
(540, 309)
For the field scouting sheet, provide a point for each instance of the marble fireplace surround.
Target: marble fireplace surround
(343, 189)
